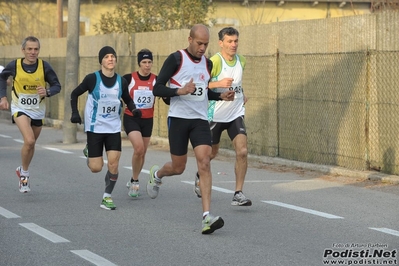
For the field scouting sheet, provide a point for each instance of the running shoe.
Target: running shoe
(197, 189)
(153, 183)
(211, 223)
(240, 200)
(23, 181)
(108, 204)
(86, 151)
(134, 189)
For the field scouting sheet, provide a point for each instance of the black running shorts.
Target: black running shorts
(97, 141)
(182, 130)
(144, 125)
(235, 127)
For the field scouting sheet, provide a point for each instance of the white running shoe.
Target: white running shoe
(240, 200)
(23, 181)
(134, 189)
(153, 184)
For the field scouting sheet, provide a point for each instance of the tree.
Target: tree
(382, 5)
(154, 15)
(21, 18)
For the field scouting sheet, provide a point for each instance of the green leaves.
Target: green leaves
(154, 15)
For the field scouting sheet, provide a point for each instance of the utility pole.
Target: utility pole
(59, 18)
(72, 68)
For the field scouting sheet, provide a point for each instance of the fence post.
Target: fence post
(367, 106)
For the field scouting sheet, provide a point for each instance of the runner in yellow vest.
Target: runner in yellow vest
(28, 108)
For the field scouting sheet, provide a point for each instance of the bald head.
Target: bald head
(198, 40)
(198, 29)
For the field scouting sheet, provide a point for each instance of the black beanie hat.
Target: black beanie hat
(144, 55)
(104, 51)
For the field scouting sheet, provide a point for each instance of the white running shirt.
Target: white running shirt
(194, 105)
(227, 111)
(103, 107)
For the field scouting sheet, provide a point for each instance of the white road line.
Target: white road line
(386, 231)
(322, 214)
(5, 136)
(44, 233)
(142, 170)
(57, 150)
(221, 189)
(255, 181)
(220, 182)
(213, 187)
(7, 214)
(92, 257)
(19, 140)
(293, 207)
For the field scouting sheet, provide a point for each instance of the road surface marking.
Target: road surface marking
(293, 207)
(44, 233)
(213, 187)
(57, 150)
(142, 170)
(386, 231)
(7, 214)
(93, 258)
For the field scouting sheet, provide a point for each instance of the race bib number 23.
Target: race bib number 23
(198, 95)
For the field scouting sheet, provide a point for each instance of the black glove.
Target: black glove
(75, 118)
(166, 100)
(136, 113)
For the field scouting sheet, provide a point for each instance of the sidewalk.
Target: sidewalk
(326, 169)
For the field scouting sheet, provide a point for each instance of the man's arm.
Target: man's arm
(224, 96)
(213, 96)
(126, 96)
(87, 84)
(8, 71)
(52, 79)
(224, 83)
(216, 69)
(168, 69)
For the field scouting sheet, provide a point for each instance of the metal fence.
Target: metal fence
(323, 92)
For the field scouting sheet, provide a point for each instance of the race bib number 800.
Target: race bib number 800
(29, 101)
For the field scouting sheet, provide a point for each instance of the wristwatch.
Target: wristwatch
(48, 92)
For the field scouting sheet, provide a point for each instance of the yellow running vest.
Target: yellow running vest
(25, 97)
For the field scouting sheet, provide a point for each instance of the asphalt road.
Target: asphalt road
(297, 217)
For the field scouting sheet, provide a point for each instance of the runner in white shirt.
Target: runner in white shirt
(187, 73)
(226, 75)
(102, 119)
